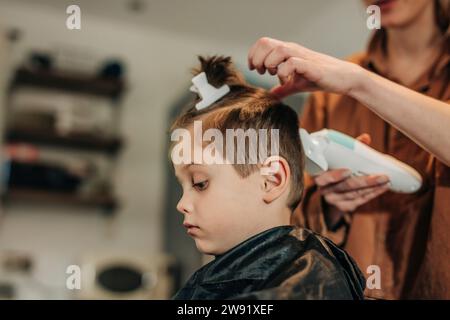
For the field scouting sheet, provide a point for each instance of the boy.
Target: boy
(239, 209)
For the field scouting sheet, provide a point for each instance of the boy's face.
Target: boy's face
(220, 208)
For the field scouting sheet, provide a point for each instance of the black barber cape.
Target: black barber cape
(280, 263)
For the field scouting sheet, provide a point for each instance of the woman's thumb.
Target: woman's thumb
(284, 90)
(365, 138)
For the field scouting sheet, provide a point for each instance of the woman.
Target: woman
(397, 94)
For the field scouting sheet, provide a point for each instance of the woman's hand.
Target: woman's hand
(345, 192)
(301, 69)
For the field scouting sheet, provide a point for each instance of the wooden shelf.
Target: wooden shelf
(107, 87)
(22, 195)
(74, 141)
(74, 82)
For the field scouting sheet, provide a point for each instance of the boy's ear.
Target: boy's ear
(275, 173)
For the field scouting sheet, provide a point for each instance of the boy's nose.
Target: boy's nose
(184, 206)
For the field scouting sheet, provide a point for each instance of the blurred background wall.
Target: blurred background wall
(157, 42)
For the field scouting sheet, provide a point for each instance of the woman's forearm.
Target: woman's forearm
(424, 120)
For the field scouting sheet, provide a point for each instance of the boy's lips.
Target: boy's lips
(190, 227)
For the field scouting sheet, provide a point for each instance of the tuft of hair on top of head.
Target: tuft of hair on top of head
(219, 70)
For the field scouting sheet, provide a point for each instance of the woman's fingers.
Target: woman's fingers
(356, 183)
(354, 194)
(348, 205)
(365, 138)
(268, 54)
(332, 177)
(371, 195)
(280, 53)
(272, 71)
(290, 67)
(294, 85)
(259, 52)
(296, 74)
(352, 205)
(349, 192)
(300, 69)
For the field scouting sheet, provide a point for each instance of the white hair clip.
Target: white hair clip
(207, 92)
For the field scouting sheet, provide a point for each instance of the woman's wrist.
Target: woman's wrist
(360, 82)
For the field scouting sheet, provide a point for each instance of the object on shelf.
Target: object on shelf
(31, 176)
(62, 112)
(112, 69)
(7, 290)
(72, 82)
(41, 61)
(21, 152)
(12, 261)
(105, 201)
(76, 141)
(35, 175)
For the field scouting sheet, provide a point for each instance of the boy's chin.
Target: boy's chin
(207, 248)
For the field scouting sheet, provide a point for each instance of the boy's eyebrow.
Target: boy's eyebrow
(183, 168)
(191, 164)
(187, 165)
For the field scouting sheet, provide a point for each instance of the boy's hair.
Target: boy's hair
(247, 107)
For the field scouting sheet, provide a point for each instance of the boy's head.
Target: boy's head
(259, 181)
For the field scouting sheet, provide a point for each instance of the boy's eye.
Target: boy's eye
(202, 185)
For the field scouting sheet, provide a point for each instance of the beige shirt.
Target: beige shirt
(407, 236)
